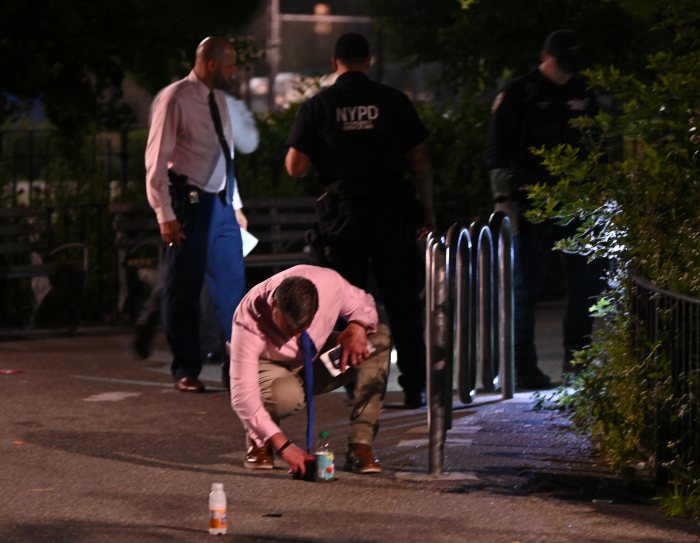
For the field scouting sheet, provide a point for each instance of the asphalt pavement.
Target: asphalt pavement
(97, 446)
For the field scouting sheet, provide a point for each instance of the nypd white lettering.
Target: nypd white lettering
(357, 117)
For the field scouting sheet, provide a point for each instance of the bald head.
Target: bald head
(212, 48)
(215, 62)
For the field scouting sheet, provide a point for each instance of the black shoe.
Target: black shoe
(532, 379)
(142, 342)
(413, 399)
(414, 393)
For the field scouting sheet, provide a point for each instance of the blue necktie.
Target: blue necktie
(227, 193)
(308, 349)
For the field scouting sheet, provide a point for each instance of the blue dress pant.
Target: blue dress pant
(532, 248)
(211, 252)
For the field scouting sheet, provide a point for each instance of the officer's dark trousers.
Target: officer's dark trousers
(385, 241)
(210, 252)
(533, 247)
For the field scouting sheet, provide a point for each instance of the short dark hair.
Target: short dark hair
(297, 299)
(351, 47)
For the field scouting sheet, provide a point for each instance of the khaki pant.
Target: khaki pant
(282, 389)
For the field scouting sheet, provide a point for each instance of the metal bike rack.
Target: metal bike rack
(469, 320)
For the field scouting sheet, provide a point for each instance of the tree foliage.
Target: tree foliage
(74, 54)
(477, 40)
(639, 204)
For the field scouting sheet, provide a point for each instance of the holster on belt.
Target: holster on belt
(178, 191)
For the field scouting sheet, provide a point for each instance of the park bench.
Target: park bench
(279, 223)
(36, 274)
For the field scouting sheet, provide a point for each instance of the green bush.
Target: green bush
(456, 143)
(639, 204)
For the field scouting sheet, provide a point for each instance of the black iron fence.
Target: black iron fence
(34, 171)
(65, 224)
(667, 331)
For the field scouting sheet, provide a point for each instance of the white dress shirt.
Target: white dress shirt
(245, 132)
(182, 137)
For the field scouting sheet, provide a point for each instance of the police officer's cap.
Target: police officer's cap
(562, 45)
(351, 46)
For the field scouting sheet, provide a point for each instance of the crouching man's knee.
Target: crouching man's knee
(284, 397)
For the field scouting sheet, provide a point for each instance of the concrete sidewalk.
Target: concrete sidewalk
(96, 446)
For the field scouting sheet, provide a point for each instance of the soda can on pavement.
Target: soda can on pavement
(325, 466)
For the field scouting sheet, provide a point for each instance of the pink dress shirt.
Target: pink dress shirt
(182, 137)
(254, 336)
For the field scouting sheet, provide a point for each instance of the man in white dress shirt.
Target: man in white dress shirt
(189, 184)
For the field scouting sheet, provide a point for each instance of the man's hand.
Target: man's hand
(297, 163)
(293, 455)
(296, 458)
(500, 181)
(241, 219)
(353, 340)
(172, 232)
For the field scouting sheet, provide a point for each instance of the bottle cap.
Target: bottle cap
(217, 486)
(324, 434)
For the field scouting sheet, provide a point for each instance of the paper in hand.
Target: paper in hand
(249, 241)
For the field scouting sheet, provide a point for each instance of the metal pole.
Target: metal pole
(451, 332)
(437, 348)
(506, 324)
(473, 344)
(485, 300)
(464, 294)
(273, 52)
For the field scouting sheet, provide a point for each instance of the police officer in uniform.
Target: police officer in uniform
(359, 135)
(532, 111)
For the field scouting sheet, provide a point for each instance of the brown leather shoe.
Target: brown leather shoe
(360, 459)
(258, 457)
(189, 384)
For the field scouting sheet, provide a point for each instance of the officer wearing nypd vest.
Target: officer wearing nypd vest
(533, 111)
(359, 136)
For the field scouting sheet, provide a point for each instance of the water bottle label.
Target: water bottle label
(217, 519)
(325, 466)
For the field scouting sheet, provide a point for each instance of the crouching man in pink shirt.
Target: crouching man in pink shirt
(267, 362)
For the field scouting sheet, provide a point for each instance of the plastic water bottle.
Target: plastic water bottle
(325, 460)
(218, 520)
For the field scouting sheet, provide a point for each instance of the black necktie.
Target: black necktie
(227, 193)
